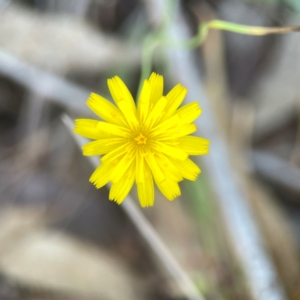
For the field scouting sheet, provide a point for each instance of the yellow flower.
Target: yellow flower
(143, 144)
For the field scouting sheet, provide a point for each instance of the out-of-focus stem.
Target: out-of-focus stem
(249, 30)
(47, 86)
(147, 55)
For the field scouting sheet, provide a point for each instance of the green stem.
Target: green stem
(149, 46)
(190, 44)
(249, 30)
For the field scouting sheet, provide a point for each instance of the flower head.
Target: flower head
(144, 144)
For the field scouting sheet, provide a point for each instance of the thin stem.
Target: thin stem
(149, 46)
(250, 30)
(189, 44)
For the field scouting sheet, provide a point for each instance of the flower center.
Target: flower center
(140, 139)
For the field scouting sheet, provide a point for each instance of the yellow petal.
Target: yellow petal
(143, 105)
(120, 189)
(189, 112)
(169, 168)
(140, 166)
(162, 127)
(105, 109)
(121, 167)
(175, 97)
(88, 128)
(101, 175)
(157, 86)
(119, 92)
(194, 145)
(169, 188)
(154, 167)
(129, 115)
(176, 132)
(113, 156)
(174, 152)
(183, 116)
(187, 168)
(103, 146)
(112, 129)
(145, 186)
(156, 113)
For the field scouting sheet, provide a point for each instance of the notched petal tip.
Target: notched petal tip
(118, 201)
(146, 205)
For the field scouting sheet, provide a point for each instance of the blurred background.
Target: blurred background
(60, 238)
